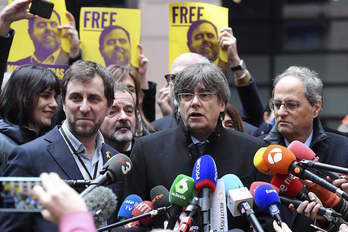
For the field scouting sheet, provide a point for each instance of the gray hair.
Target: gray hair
(313, 86)
(120, 87)
(209, 75)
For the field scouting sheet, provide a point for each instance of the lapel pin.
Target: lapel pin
(108, 155)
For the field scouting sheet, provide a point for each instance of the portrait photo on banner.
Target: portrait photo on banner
(110, 35)
(40, 41)
(195, 27)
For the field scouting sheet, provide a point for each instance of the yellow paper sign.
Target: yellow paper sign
(39, 41)
(110, 35)
(195, 27)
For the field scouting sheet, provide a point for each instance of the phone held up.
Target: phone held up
(41, 8)
(16, 194)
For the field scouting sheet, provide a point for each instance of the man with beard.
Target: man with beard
(45, 35)
(115, 45)
(75, 150)
(202, 38)
(119, 125)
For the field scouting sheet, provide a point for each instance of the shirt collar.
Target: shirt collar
(307, 143)
(51, 59)
(196, 141)
(77, 145)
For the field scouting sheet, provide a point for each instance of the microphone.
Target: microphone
(114, 169)
(160, 198)
(280, 160)
(240, 201)
(218, 213)
(290, 186)
(101, 202)
(266, 198)
(259, 163)
(128, 206)
(322, 211)
(205, 175)
(78, 183)
(142, 208)
(137, 217)
(180, 194)
(302, 152)
(327, 198)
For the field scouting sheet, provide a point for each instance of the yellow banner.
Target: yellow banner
(195, 27)
(40, 41)
(110, 35)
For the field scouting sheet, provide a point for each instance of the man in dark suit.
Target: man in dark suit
(202, 92)
(75, 150)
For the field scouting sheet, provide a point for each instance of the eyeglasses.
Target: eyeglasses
(170, 77)
(288, 105)
(201, 96)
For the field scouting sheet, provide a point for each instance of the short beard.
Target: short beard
(122, 138)
(82, 133)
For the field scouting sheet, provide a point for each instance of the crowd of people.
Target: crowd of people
(68, 129)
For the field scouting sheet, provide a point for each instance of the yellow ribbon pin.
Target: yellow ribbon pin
(108, 155)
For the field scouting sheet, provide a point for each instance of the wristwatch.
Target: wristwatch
(241, 66)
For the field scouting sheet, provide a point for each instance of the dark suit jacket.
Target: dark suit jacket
(158, 158)
(48, 153)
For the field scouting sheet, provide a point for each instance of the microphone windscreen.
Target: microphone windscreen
(289, 185)
(278, 159)
(265, 196)
(141, 208)
(128, 206)
(118, 166)
(182, 190)
(204, 173)
(259, 163)
(231, 181)
(159, 196)
(256, 184)
(327, 198)
(301, 151)
(101, 202)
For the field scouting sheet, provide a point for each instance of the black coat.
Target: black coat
(160, 157)
(330, 147)
(170, 121)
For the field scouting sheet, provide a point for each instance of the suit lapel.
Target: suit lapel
(60, 152)
(107, 152)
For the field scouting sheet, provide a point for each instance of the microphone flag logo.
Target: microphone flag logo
(181, 187)
(275, 155)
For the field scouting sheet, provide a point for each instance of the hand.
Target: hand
(342, 183)
(142, 69)
(164, 100)
(57, 197)
(229, 43)
(311, 209)
(284, 227)
(71, 32)
(343, 228)
(17, 10)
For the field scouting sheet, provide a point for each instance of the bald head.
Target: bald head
(187, 59)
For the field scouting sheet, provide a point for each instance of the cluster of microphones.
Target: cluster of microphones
(201, 202)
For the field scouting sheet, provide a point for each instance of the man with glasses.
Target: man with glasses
(201, 92)
(166, 99)
(297, 101)
(238, 75)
